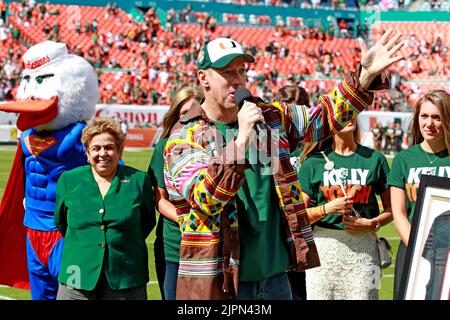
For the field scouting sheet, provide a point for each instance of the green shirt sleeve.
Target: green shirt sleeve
(148, 217)
(60, 208)
(396, 176)
(156, 167)
(383, 174)
(305, 176)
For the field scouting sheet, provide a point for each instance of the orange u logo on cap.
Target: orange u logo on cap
(222, 45)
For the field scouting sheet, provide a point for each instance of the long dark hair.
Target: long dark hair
(293, 94)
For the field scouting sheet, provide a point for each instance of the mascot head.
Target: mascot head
(57, 89)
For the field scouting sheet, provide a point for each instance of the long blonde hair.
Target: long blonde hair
(173, 115)
(441, 99)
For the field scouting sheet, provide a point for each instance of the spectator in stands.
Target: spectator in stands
(398, 136)
(210, 188)
(389, 139)
(429, 154)
(47, 29)
(55, 36)
(117, 267)
(77, 25)
(395, 80)
(377, 132)
(15, 32)
(211, 23)
(273, 76)
(3, 10)
(170, 19)
(128, 83)
(168, 236)
(124, 128)
(344, 236)
(343, 28)
(94, 25)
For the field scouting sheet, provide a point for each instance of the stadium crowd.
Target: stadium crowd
(163, 57)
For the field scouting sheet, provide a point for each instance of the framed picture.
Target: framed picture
(426, 273)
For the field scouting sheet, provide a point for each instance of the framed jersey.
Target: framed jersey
(426, 273)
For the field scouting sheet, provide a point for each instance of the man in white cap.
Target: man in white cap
(242, 218)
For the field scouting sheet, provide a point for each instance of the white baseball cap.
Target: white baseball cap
(44, 54)
(220, 52)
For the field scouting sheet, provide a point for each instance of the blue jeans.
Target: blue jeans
(274, 288)
(170, 280)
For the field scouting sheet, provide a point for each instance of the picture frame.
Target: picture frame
(426, 271)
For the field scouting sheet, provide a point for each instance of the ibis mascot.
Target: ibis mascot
(57, 95)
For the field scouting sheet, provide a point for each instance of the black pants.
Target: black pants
(398, 271)
(160, 259)
(298, 285)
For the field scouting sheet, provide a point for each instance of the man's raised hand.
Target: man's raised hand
(378, 58)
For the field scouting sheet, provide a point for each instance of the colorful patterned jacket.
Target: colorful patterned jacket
(202, 178)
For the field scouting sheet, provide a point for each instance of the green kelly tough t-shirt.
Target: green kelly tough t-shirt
(409, 165)
(171, 230)
(263, 252)
(363, 175)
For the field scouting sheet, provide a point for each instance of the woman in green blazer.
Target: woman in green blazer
(105, 211)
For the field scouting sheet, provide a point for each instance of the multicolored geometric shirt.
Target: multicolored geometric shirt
(203, 175)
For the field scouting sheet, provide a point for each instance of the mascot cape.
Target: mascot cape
(13, 260)
(13, 265)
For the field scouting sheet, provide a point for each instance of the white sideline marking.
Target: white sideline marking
(6, 298)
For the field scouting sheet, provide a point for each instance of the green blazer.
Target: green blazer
(104, 234)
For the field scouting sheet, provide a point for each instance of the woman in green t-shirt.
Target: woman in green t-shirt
(168, 235)
(429, 154)
(340, 180)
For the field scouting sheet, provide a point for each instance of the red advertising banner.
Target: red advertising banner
(140, 137)
(135, 115)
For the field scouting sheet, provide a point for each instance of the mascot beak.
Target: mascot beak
(32, 111)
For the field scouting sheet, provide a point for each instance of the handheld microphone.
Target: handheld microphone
(240, 96)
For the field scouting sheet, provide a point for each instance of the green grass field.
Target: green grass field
(140, 159)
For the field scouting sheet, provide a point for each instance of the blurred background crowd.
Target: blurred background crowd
(143, 57)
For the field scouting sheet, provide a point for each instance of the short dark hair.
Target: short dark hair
(102, 125)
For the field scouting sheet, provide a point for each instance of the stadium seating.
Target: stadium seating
(306, 53)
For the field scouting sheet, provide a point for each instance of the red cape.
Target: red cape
(13, 261)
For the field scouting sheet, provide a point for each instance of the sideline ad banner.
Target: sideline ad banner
(141, 137)
(8, 133)
(135, 115)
